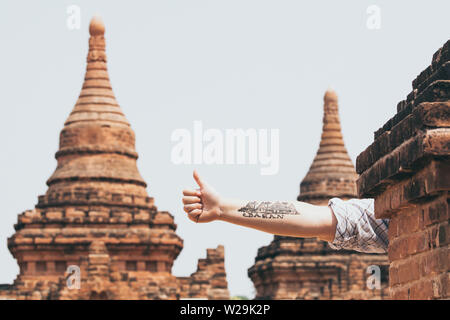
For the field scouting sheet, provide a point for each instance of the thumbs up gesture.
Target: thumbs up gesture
(201, 205)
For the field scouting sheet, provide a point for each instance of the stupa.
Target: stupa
(297, 268)
(97, 216)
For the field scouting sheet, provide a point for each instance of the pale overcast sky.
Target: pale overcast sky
(231, 64)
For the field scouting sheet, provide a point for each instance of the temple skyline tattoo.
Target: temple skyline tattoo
(268, 209)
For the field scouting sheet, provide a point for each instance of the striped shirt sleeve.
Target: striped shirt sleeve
(357, 228)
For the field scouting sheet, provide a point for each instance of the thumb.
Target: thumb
(199, 181)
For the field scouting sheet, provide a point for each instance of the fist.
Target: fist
(203, 204)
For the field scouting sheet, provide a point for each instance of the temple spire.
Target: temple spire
(332, 173)
(97, 144)
(97, 101)
(331, 130)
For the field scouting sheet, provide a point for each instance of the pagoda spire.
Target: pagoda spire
(332, 173)
(97, 145)
(96, 101)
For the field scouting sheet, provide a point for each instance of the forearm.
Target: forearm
(290, 218)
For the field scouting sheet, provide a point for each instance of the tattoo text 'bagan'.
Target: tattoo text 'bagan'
(268, 210)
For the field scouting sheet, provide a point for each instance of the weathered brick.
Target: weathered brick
(33, 214)
(409, 222)
(434, 262)
(142, 216)
(397, 249)
(23, 240)
(23, 219)
(444, 235)
(73, 213)
(393, 227)
(433, 114)
(440, 286)
(54, 215)
(408, 270)
(401, 293)
(417, 243)
(393, 276)
(124, 217)
(43, 240)
(103, 215)
(422, 290)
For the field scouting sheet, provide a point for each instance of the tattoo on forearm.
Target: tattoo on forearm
(268, 209)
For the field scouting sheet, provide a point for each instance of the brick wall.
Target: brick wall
(407, 170)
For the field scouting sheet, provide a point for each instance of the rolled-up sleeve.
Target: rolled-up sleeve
(357, 228)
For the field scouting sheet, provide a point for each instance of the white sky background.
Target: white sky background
(232, 64)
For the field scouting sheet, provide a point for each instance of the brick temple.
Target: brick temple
(97, 215)
(296, 268)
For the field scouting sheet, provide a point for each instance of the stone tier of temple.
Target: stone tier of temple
(407, 170)
(297, 268)
(291, 269)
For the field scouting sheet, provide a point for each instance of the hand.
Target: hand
(201, 205)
